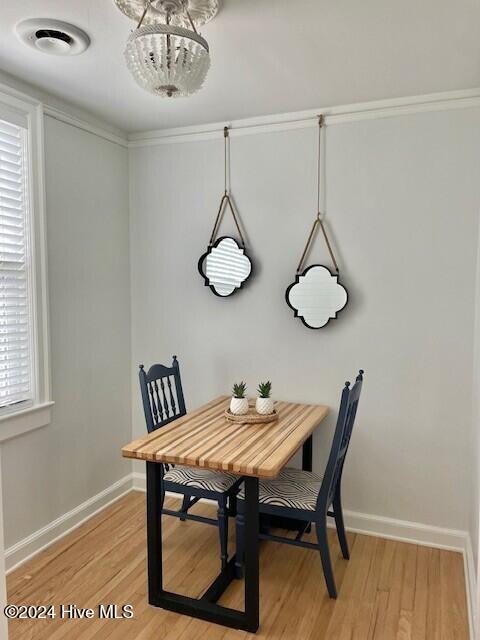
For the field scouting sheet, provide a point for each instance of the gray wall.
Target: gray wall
(402, 198)
(50, 471)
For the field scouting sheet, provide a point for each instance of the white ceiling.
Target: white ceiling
(268, 56)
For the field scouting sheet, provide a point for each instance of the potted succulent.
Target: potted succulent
(264, 404)
(239, 403)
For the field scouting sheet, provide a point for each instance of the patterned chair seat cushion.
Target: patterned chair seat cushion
(293, 488)
(201, 478)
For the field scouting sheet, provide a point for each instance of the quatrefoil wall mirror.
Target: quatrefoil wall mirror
(225, 266)
(317, 296)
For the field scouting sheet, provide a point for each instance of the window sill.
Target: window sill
(16, 424)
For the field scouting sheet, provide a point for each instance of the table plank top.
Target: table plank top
(205, 438)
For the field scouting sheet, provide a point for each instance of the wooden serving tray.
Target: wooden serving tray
(252, 417)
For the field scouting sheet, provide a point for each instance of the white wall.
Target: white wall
(402, 197)
(49, 471)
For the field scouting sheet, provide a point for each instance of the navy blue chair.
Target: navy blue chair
(307, 497)
(163, 402)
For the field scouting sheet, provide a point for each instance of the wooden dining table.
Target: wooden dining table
(204, 438)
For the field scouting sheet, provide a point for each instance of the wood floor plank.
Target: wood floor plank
(366, 599)
(452, 599)
(387, 591)
(433, 597)
(397, 578)
(420, 608)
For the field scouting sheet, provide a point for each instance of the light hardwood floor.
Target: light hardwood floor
(387, 591)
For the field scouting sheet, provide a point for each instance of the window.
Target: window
(16, 318)
(25, 402)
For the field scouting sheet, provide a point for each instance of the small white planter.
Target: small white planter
(264, 406)
(239, 406)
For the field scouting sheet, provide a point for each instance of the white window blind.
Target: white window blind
(16, 327)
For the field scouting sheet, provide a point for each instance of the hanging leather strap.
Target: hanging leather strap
(318, 220)
(225, 200)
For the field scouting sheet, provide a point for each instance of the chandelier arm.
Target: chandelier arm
(190, 18)
(147, 7)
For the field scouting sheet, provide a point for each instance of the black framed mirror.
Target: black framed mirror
(316, 296)
(225, 266)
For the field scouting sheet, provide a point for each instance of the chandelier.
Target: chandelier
(165, 53)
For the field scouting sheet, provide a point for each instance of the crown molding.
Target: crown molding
(80, 123)
(12, 95)
(304, 119)
(462, 99)
(16, 98)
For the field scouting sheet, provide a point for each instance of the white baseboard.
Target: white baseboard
(390, 528)
(406, 531)
(25, 549)
(139, 481)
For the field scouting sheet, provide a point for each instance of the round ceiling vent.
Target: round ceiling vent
(53, 36)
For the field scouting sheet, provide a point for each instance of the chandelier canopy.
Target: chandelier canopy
(201, 11)
(166, 58)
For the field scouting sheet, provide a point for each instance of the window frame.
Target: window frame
(28, 415)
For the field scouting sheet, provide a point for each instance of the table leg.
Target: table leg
(307, 455)
(307, 466)
(154, 530)
(282, 522)
(252, 593)
(206, 607)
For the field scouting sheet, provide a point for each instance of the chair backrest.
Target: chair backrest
(341, 440)
(162, 394)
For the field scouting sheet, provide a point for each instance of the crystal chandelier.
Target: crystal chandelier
(167, 58)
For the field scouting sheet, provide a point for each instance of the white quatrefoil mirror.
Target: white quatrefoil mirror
(225, 267)
(316, 296)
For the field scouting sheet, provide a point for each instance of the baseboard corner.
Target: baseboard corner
(39, 540)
